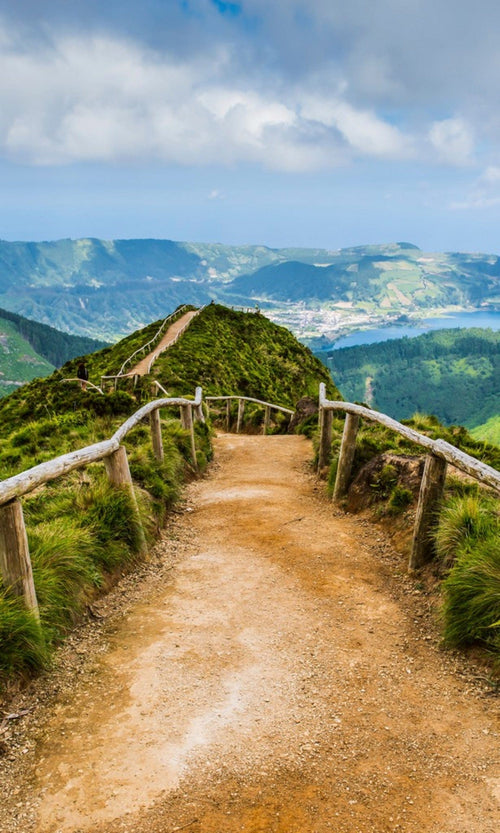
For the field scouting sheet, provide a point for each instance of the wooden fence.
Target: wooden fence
(241, 409)
(15, 564)
(440, 453)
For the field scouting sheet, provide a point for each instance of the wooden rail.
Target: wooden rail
(15, 565)
(89, 384)
(440, 453)
(241, 408)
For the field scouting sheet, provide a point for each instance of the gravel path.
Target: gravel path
(142, 367)
(272, 670)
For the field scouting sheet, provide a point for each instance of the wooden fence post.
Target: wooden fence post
(185, 416)
(187, 423)
(118, 472)
(267, 419)
(156, 438)
(228, 415)
(241, 411)
(429, 500)
(325, 438)
(198, 413)
(15, 564)
(346, 456)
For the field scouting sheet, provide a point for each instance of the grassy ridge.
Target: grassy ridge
(19, 362)
(227, 351)
(489, 431)
(29, 350)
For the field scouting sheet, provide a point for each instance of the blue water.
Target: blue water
(461, 319)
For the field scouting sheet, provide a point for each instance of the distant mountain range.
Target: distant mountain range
(106, 289)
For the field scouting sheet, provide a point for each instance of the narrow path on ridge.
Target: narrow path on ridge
(273, 672)
(142, 367)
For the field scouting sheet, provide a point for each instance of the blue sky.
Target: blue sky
(284, 123)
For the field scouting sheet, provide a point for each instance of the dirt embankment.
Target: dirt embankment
(274, 671)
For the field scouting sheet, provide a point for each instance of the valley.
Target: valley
(107, 289)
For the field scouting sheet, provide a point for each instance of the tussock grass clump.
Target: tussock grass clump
(111, 516)
(471, 608)
(23, 646)
(399, 500)
(63, 571)
(464, 521)
(468, 542)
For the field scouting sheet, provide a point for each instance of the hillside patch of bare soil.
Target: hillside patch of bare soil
(272, 669)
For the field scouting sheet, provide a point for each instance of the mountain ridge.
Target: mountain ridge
(107, 288)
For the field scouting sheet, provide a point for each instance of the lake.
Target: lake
(479, 318)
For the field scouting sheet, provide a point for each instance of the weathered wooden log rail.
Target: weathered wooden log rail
(241, 409)
(79, 382)
(15, 564)
(440, 453)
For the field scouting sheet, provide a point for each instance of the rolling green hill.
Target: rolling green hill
(397, 279)
(454, 374)
(222, 350)
(29, 350)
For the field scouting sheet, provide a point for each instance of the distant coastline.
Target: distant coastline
(487, 319)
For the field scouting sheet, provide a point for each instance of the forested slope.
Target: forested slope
(454, 374)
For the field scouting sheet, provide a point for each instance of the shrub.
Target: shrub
(399, 500)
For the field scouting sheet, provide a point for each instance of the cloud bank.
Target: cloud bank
(284, 85)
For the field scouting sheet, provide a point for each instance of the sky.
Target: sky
(323, 123)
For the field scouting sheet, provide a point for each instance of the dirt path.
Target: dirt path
(142, 367)
(275, 671)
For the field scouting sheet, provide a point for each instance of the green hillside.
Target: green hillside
(19, 363)
(398, 278)
(489, 432)
(454, 374)
(29, 350)
(223, 351)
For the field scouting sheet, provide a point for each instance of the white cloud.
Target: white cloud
(363, 130)
(102, 98)
(484, 193)
(453, 140)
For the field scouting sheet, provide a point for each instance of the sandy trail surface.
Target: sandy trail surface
(274, 669)
(142, 367)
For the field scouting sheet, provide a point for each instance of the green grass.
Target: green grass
(23, 645)
(471, 610)
(467, 537)
(489, 432)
